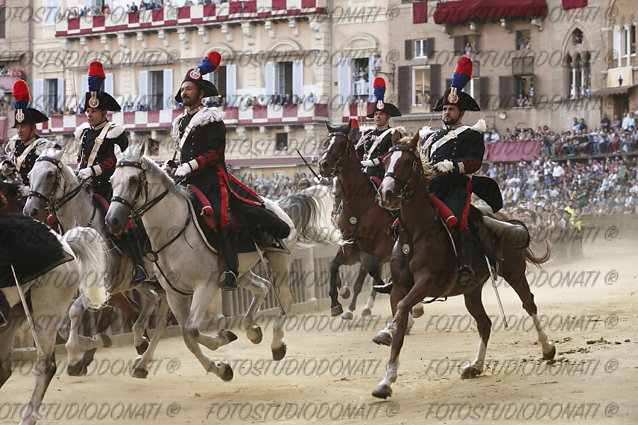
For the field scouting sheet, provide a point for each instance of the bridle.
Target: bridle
(53, 205)
(336, 168)
(407, 185)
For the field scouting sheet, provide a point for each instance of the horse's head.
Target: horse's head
(403, 171)
(337, 149)
(129, 186)
(47, 183)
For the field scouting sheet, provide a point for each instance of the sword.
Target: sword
(28, 314)
(308, 165)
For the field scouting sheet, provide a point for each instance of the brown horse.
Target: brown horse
(362, 221)
(10, 198)
(424, 264)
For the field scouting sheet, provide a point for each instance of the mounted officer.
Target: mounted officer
(25, 147)
(96, 141)
(200, 136)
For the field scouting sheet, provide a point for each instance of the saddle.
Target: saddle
(201, 209)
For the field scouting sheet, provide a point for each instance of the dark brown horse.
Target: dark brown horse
(423, 263)
(10, 198)
(362, 221)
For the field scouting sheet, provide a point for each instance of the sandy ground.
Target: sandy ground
(332, 367)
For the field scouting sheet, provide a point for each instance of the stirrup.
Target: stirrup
(3, 320)
(139, 276)
(229, 281)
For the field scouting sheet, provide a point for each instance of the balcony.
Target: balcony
(162, 119)
(234, 11)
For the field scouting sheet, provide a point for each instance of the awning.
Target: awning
(481, 10)
(609, 91)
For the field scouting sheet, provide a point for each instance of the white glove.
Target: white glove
(321, 180)
(444, 166)
(24, 190)
(87, 172)
(368, 163)
(186, 168)
(425, 132)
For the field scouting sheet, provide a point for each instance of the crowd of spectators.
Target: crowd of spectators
(78, 12)
(12, 72)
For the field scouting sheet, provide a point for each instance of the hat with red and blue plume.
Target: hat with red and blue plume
(24, 114)
(210, 63)
(379, 93)
(95, 97)
(455, 95)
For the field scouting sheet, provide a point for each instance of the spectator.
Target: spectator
(604, 123)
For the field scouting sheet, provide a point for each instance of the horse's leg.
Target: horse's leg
(474, 305)
(140, 368)
(149, 303)
(280, 266)
(201, 298)
(356, 290)
(16, 319)
(374, 269)
(335, 283)
(403, 302)
(81, 349)
(258, 287)
(124, 304)
(518, 281)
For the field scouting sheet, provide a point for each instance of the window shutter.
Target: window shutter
(167, 94)
(506, 91)
(404, 89)
(459, 45)
(484, 93)
(528, 65)
(38, 94)
(435, 84)
(517, 66)
(429, 47)
(231, 85)
(409, 46)
(297, 78)
(108, 84)
(61, 100)
(270, 78)
(345, 80)
(142, 88)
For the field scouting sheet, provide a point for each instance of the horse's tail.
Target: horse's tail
(537, 261)
(311, 212)
(90, 251)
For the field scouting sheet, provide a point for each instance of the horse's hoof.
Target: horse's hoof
(347, 315)
(141, 349)
(80, 368)
(139, 373)
(382, 338)
(279, 353)
(382, 391)
(230, 336)
(106, 340)
(470, 372)
(344, 291)
(336, 310)
(417, 311)
(254, 334)
(551, 353)
(366, 312)
(227, 372)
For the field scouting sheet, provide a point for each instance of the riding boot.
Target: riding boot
(4, 310)
(130, 238)
(463, 241)
(227, 258)
(488, 242)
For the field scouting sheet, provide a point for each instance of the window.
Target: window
(283, 78)
(3, 19)
(219, 79)
(420, 49)
(156, 91)
(421, 85)
(524, 90)
(51, 10)
(51, 105)
(523, 40)
(281, 141)
(579, 76)
(620, 41)
(360, 76)
(472, 88)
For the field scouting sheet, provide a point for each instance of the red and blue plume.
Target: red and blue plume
(354, 128)
(210, 63)
(379, 88)
(462, 73)
(20, 94)
(96, 76)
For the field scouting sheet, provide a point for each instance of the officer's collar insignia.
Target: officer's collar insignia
(19, 115)
(380, 104)
(93, 101)
(195, 74)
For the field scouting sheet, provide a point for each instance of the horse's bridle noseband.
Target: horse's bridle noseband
(48, 199)
(336, 168)
(407, 192)
(136, 213)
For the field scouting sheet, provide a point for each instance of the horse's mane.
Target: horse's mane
(428, 171)
(154, 170)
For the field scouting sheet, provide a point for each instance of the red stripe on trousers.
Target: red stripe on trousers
(466, 210)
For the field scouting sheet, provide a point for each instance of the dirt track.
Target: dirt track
(330, 370)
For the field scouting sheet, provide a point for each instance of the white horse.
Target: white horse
(56, 190)
(50, 295)
(186, 268)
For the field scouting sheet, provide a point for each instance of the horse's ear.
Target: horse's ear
(396, 136)
(330, 130)
(414, 142)
(57, 154)
(118, 152)
(138, 150)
